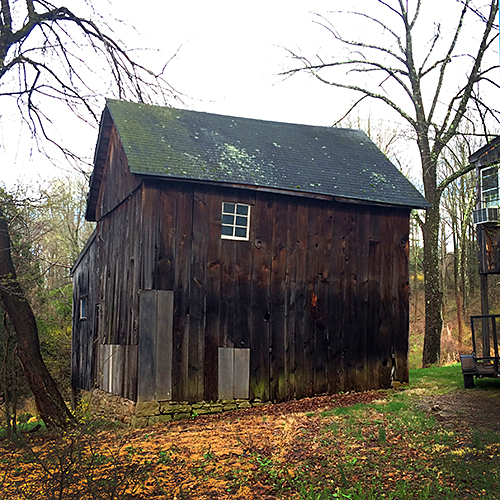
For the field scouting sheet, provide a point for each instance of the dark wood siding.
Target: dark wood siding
(117, 182)
(319, 293)
(84, 335)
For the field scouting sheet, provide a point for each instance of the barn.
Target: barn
(240, 259)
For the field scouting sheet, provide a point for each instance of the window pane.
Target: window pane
(228, 207)
(83, 308)
(241, 221)
(242, 209)
(490, 179)
(489, 186)
(227, 230)
(228, 219)
(241, 232)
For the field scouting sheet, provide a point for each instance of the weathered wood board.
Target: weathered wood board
(317, 296)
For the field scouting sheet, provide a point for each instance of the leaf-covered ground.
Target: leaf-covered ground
(396, 444)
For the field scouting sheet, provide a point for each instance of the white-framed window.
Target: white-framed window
(490, 196)
(235, 221)
(83, 308)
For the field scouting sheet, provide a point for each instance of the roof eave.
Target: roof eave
(287, 192)
(488, 154)
(100, 154)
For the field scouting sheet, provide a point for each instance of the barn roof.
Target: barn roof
(298, 159)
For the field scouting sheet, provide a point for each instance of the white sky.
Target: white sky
(231, 53)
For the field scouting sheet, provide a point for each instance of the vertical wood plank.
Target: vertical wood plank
(323, 308)
(243, 285)
(349, 297)
(401, 280)
(164, 325)
(166, 252)
(291, 301)
(386, 304)
(241, 372)
(195, 390)
(335, 303)
(303, 341)
(213, 300)
(103, 367)
(361, 307)
(150, 230)
(375, 357)
(226, 373)
(228, 292)
(146, 390)
(277, 383)
(182, 284)
(312, 299)
(130, 381)
(261, 283)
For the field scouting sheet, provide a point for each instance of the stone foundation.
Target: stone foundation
(113, 407)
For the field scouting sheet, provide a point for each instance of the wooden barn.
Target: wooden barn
(240, 258)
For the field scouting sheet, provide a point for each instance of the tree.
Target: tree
(458, 202)
(390, 68)
(49, 56)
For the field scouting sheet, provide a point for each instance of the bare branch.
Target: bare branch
(54, 33)
(453, 177)
(448, 131)
(446, 61)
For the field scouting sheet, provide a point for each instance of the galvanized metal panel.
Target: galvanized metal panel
(241, 373)
(226, 372)
(164, 326)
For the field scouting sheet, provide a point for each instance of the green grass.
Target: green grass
(390, 450)
(386, 449)
(438, 379)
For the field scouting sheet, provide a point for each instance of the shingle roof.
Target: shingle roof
(192, 145)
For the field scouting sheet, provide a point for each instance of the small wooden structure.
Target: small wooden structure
(239, 258)
(483, 362)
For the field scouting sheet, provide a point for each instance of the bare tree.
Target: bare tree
(51, 56)
(419, 92)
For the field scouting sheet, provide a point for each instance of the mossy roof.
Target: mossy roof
(300, 159)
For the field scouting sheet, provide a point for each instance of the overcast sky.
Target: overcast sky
(229, 56)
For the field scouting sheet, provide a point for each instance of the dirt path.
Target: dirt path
(466, 408)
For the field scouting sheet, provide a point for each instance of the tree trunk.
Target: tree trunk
(458, 244)
(433, 291)
(49, 401)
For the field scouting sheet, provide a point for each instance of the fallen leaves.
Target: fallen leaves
(266, 452)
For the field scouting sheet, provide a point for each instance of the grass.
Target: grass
(389, 450)
(437, 379)
(384, 449)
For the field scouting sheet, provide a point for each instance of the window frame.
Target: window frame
(82, 313)
(234, 224)
(492, 202)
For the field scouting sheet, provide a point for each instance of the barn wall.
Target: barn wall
(319, 294)
(117, 182)
(83, 340)
(110, 271)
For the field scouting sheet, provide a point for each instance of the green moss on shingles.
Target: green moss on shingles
(191, 145)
